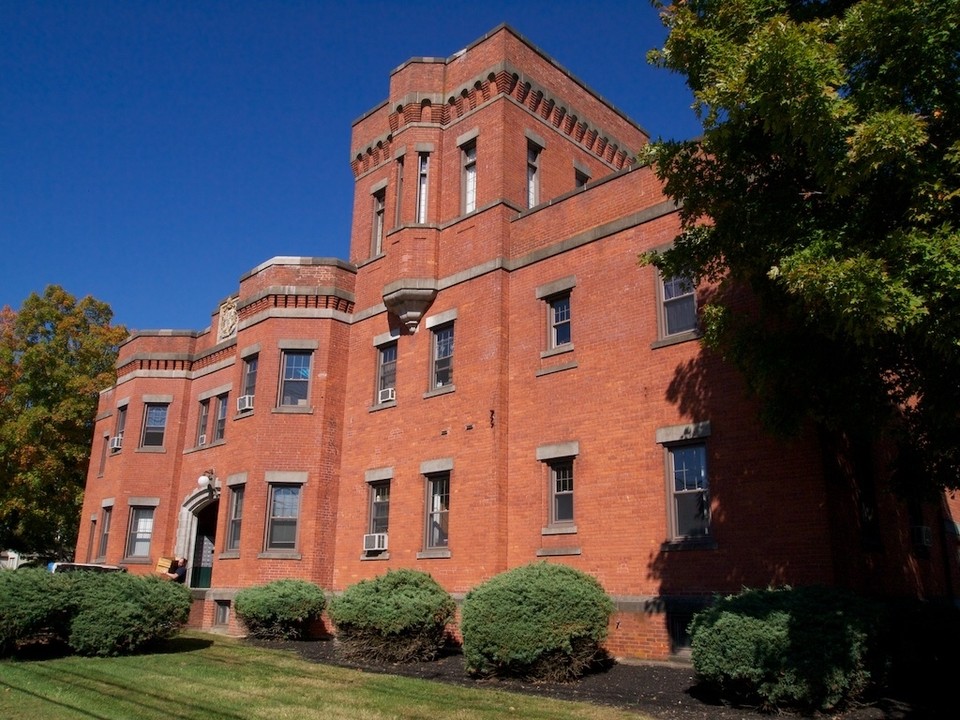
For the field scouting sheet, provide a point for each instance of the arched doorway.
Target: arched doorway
(205, 541)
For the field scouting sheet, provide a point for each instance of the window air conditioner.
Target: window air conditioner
(387, 394)
(374, 541)
(922, 535)
(116, 442)
(244, 402)
(202, 440)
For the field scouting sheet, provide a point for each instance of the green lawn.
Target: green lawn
(209, 677)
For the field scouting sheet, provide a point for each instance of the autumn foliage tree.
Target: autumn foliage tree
(56, 354)
(823, 204)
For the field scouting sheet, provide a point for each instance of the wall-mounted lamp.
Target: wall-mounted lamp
(206, 480)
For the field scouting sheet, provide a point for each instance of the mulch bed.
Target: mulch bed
(667, 691)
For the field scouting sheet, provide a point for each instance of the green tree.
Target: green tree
(56, 354)
(821, 206)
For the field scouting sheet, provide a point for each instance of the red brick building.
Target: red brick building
(491, 380)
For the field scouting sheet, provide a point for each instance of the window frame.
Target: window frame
(203, 417)
(423, 186)
(220, 419)
(468, 177)
(398, 211)
(137, 536)
(386, 371)
(666, 286)
(251, 365)
(120, 427)
(557, 495)
(161, 433)
(378, 522)
(379, 198)
(441, 355)
(106, 515)
(437, 491)
(554, 324)
(270, 544)
(701, 490)
(288, 354)
(235, 518)
(679, 438)
(534, 153)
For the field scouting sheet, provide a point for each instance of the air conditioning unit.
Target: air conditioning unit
(374, 541)
(202, 440)
(244, 403)
(387, 394)
(921, 535)
(116, 442)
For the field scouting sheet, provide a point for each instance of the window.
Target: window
(559, 317)
(235, 518)
(422, 177)
(221, 614)
(295, 382)
(250, 375)
(387, 373)
(103, 455)
(140, 533)
(398, 217)
(379, 506)
(220, 426)
(679, 307)
(561, 491)
(438, 510)
(202, 422)
(107, 512)
(118, 431)
(533, 173)
(443, 356)
(283, 516)
(154, 425)
(690, 507)
(379, 207)
(468, 177)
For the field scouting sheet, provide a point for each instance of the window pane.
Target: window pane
(437, 517)
(562, 478)
(379, 508)
(443, 356)
(236, 517)
(284, 512)
(679, 305)
(250, 375)
(388, 367)
(691, 490)
(141, 530)
(155, 421)
(296, 378)
(560, 320)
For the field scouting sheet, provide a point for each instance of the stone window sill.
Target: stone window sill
(432, 554)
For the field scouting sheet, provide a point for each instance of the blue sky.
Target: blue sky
(151, 153)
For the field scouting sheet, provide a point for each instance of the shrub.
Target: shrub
(397, 617)
(33, 603)
(120, 613)
(807, 648)
(280, 610)
(539, 621)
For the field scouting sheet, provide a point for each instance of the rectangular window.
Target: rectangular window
(398, 217)
(106, 513)
(422, 186)
(379, 208)
(438, 510)
(468, 177)
(283, 517)
(140, 532)
(533, 174)
(203, 416)
(387, 372)
(295, 379)
(154, 424)
(379, 506)
(235, 518)
(221, 615)
(561, 491)
(690, 507)
(117, 443)
(220, 426)
(443, 356)
(559, 314)
(679, 306)
(250, 375)
(104, 448)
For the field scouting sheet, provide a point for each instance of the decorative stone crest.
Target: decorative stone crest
(228, 319)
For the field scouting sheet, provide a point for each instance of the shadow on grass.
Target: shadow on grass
(48, 647)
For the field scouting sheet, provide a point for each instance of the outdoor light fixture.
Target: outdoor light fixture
(206, 480)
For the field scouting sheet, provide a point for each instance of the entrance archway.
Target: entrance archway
(197, 535)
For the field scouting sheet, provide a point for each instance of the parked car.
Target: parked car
(62, 567)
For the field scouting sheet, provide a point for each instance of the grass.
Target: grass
(211, 677)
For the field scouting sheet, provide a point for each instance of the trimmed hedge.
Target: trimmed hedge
(397, 617)
(541, 621)
(280, 610)
(810, 648)
(94, 613)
